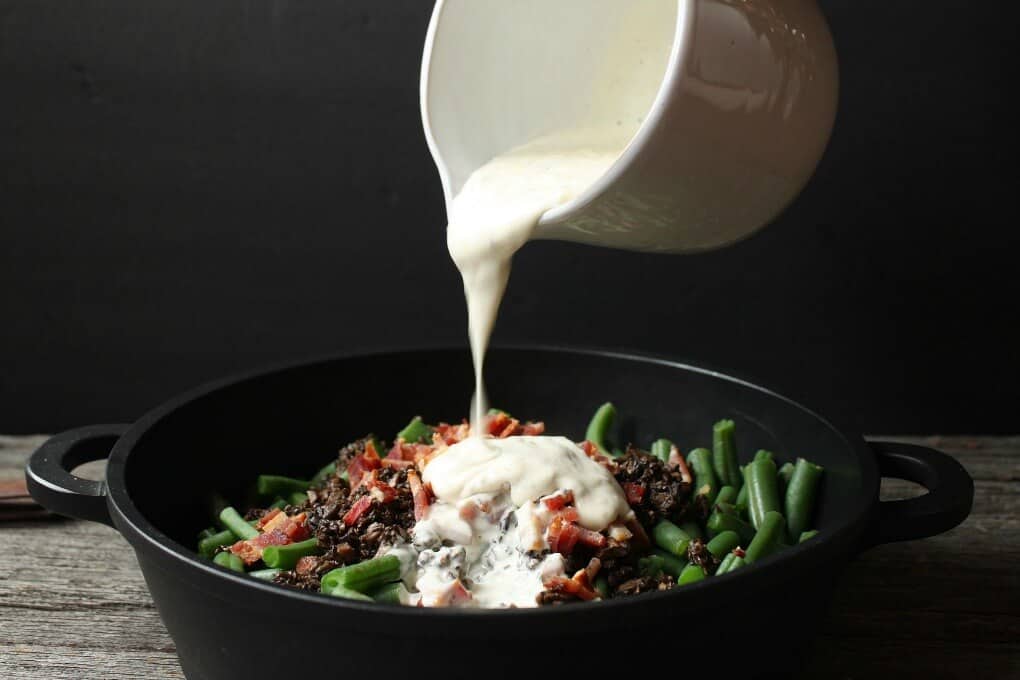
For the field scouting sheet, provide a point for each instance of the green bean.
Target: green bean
(719, 522)
(783, 475)
(807, 535)
(232, 520)
(417, 431)
(286, 556)
(671, 538)
(727, 494)
(230, 561)
(278, 504)
(766, 540)
(265, 574)
(762, 494)
(298, 498)
(364, 576)
(275, 485)
(602, 587)
(347, 594)
(324, 473)
(391, 593)
(724, 565)
(671, 564)
(700, 462)
(737, 563)
(741, 501)
(207, 532)
(691, 574)
(651, 566)
(723, 543)
(762, 454)
(661, 448)
(598, 429)
(207, 546)
(724, 454)
(692, 529)
(800, 497)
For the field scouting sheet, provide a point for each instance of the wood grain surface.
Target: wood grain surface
(73, 603)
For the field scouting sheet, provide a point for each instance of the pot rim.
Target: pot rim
(844, 538)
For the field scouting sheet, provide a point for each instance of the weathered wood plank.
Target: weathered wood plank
(944, 607)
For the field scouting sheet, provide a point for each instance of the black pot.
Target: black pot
(164, 469)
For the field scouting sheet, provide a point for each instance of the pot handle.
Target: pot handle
(48, 473)
(947, 503)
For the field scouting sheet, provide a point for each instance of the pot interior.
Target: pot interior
(292, 421)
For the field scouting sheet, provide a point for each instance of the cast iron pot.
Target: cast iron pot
(164, 470)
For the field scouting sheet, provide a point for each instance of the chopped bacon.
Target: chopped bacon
(451, 434)
(266, 518)
(635, 492)
(420, 494)
(678, 460)
(531, 429)
(293, 528)
(559, 500)
(574, 586)
(397, 464)
(363, 463)
(589, 449)
(382, 492)
(359, 508)
(306, 564)
(250, 551)
(591, 538)
(739, 552)
(562, 535)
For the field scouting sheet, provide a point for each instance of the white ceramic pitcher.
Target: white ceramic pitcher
(728, 104)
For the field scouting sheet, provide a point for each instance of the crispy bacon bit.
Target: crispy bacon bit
(397, 464)
(532, 429)
(675, 458)
(359, 508)
(591, 538)
(420, 493)
(382, 492)
(592, 570)
(559, 500)
(292, 527)
(635, 492)
(250, 551)
(363, 464)
(268, 517)
(451, 434)
(589, 449)
(573, 586)
(739, 552)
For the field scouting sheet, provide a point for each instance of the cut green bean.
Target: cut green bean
(206, 533)
(807, 535)
(727, 494)
(671, 564)
(418, 432)
(691, 574)
(705, 484)
(737, 563)
(723, 543)
(719, 522)
(765, 542)
(347, 594)
(671, 538)
(724, 454)
(651, 566)
(692, 528)
(297, 498)
(323, 474)
(598, 429)
(232, 520)
(230, 561)
(762, 493)
(275, 485)
(661, 448)
(391, 593)
(364, 576)
(207, 546)
(265, 574)
(800, 497)
(783, 475)
(602, 587)
(278, 504)
(762, 454)
(741, 501)
(724, 565)
(286, 556)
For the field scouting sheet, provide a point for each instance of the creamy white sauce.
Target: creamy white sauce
(496, 213)
(529, 467)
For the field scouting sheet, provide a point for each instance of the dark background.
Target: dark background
(190, 189)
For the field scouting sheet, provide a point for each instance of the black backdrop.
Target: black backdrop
(195, 188)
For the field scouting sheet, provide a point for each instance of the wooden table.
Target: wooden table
(73, 603)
